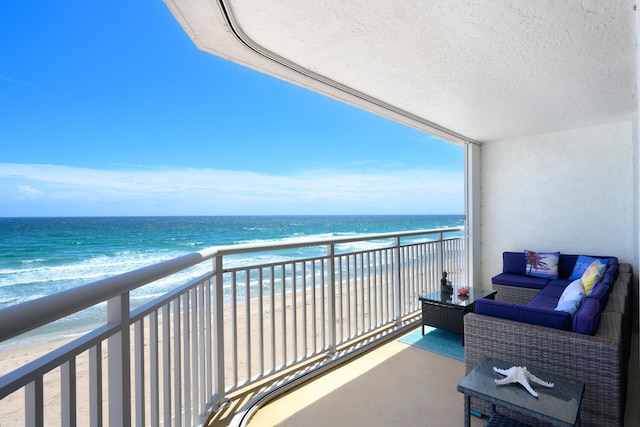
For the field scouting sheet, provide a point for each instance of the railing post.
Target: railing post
(68, 396)
(95, 385)
(218, 333)
(440, 263)
(397, 270)
(119, 350)
(331, 301)
(34, 403)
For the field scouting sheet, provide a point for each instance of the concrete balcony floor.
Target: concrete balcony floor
(394, 385)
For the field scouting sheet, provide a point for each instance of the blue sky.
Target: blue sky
(110, 109)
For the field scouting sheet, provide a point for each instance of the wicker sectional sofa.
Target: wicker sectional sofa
(580, 310)
(600, 360)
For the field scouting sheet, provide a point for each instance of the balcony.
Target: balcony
(221, 349)
(394, 385)
(183, 356)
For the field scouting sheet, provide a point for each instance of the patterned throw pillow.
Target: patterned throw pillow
(542, 264)
(592, 275)
(582, 263)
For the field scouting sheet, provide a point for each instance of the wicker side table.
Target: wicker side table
(446, 311)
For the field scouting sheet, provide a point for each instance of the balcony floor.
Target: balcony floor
(393, 385)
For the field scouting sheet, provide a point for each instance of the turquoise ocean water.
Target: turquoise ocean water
(41, 256)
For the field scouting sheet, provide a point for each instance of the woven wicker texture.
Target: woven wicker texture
(499, 420)
(514, 294)
(599, 361)
(444, 317)
(624, 268)
(619, 303)
(622, 284)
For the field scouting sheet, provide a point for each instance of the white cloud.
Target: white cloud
(29, 192)
(189, 191)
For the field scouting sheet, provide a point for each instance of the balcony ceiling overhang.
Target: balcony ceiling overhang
(476, 70)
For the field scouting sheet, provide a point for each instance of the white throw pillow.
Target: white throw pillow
(572, 297)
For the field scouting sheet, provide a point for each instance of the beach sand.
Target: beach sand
(270, 353)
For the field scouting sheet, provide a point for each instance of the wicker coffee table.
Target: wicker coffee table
(446, 311)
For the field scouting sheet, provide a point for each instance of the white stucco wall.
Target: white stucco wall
(570, 191)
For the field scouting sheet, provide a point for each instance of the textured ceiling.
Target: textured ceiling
(483, 69)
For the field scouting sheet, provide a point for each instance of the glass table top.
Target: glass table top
(560, 403)
(455, 299)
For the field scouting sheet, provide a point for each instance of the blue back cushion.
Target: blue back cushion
(566, 264)
(514, 262)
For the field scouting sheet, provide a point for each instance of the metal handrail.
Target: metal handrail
(20, 318)
(197, 363)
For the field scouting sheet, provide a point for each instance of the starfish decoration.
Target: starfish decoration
(519, 374)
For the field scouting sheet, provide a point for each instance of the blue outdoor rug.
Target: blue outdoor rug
(437, 341)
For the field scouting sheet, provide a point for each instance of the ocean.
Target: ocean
(41, 256)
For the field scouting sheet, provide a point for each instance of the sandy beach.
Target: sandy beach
(245, 362)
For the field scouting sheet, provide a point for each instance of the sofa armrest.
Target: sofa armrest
(587, 317)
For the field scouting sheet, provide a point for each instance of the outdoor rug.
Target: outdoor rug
(437, 341)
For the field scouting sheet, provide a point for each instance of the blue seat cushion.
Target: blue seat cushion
(544, 302)
(522, 313)
(555, 288)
